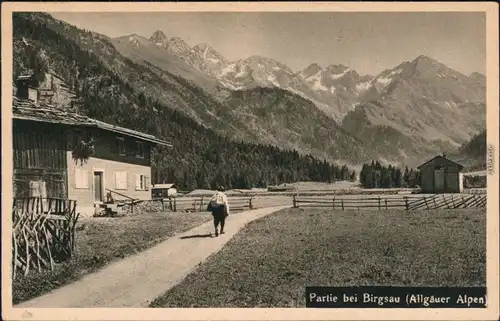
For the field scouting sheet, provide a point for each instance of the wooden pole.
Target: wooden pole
(379, 203)
(250, 203)
(294, 202)
(406, 202)
(453, 201)
(425, 200)
(444, 199)
(342, 204)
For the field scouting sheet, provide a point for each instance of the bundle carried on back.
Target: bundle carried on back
(217, 200)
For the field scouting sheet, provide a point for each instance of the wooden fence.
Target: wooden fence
(43, 232)
(199, 204)
(408, 203)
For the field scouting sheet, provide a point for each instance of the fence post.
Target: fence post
(444, 199)
(175, 205)
(406, 203)
(294, 202)
(162, 205)
(379, 203)
(342, 204)
(334, 202)
(41, 204)
(386, 203)
(250, 203)
(201, 204)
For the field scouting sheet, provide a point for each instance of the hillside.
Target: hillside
(108, 87)
(279, 117)
(473, 152)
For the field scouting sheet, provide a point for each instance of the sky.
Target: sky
(367, 42)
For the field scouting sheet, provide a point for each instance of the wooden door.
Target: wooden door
(98, 187)
(439, 180)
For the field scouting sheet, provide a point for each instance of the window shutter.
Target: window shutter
(81, 178)
(146, 183)
(43, 194)
(117, 180)
(78, 177)
(34, 189)
(137, 182)
(42, 189)
(85, 179)
(121, 180)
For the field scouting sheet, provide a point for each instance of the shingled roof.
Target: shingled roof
(441, 158)
(42, 112)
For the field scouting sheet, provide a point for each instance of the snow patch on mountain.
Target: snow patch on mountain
(340, 75)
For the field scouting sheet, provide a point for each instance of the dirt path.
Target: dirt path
(137, 280)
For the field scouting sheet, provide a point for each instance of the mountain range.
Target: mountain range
(403, 115)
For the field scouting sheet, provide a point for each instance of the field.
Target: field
(273, 259)
(100, 241)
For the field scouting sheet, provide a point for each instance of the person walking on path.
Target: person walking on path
(219, 206)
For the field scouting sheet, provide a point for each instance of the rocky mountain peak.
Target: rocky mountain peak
(159, 39)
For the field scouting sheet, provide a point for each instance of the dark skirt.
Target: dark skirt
(219, 213)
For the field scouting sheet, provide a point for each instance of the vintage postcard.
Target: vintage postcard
(309, 161)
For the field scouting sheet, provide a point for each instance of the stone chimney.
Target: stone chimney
(444, 155)
(26, 85)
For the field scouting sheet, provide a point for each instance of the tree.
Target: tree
(406, 177)
(398, 179)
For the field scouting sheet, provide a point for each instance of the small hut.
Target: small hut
(163, 191)
(441, 175)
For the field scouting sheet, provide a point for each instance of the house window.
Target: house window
(81, 178)
(121, 180)
(142, 183)
(139, 149)
(120, 144)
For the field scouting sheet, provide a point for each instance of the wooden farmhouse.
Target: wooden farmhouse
(44, 138)
(441, 175)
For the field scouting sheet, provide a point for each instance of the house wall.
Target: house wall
(427, 179)
(84, 193)
(452, 182)
(39, 156)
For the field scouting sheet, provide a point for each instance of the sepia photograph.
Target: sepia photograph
(233, 158)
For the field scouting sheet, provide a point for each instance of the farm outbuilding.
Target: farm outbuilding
(163, 191)
(441, 175)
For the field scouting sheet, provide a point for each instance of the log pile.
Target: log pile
(43, 233)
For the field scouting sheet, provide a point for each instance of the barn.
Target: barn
(441, 175)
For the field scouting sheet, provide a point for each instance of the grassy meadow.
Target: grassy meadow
(100, 241)
(273, 259)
